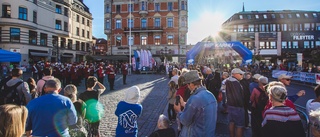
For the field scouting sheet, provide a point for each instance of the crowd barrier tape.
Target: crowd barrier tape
(299, 76)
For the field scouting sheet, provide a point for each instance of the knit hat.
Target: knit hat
(191, 76)
(132, 95)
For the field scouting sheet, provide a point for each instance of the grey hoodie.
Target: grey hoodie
(22, 88)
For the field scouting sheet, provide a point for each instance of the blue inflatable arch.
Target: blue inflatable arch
(237, 46)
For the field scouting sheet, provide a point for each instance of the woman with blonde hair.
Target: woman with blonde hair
(78, 129)
(12, 120)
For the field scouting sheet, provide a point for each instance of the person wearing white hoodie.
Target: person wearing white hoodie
(128, 111)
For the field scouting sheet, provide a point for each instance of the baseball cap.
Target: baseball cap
(256, 76)
(284, 76)
(263, 80)
(237, 71)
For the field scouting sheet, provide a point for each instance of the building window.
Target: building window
(78, 31)
(69, 44)
(143, 23)
(318, 26)
(306, 44)
(32, 37)
(156, 7)
(58, 25)
(265, 16)
(295, 44)
(35, 16)
(43, 39)
(284, 44)
(312, 26)
(289, 27)
(170, 40)
(284, 27)
(314, 15)
(295, 27)
(317, 43)
(281, 16)
(23, 13)
(88, 23)
(63, 43)
(143, 40)
(289, 16)
(170, 22)
(65, 25)
(108, 24)
(77, 45)
(262, 28)
(83, 46)
(273, 45)
(6, 11)
(58, 9)
(118, 41)
(273, 16)
(66, 11)
(262, 45)
(312, 44)
(14, 35)
(267, 45)
(170, 6)
(306, 15)
(234, 28)
(130, 23)
(240, 28)
(183, 5)
(256, 28)
(273, 27)
(267, 27)
(82, 32)
(82, 20)
(130, 40)
(251, 28)
(118, 8)
(257, 16)
(157, 22)
(118, 24)
(143, 6)
(289, 45)
(298, 15)
(88, 34)
(157, 40)
(249, 17)
(107, 8)
(241, 17)
(130, 7)
(307, 26)
(78, 18)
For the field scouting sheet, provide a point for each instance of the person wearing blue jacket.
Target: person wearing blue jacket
(128, 111)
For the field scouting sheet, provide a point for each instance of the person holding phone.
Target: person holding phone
(199, 115)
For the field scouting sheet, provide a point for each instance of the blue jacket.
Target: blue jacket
(199, 116)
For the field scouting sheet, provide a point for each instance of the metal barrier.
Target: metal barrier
(304, 119)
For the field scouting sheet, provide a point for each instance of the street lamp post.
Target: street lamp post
(130, 36)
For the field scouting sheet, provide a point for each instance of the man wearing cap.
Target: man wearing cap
(199, 115)
(255, 82)
(235, 102)
(286, 80)
(259, 99)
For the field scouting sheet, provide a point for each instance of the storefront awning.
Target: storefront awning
(41, 54)
(67, 55)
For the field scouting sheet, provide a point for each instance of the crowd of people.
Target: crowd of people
(194, 95)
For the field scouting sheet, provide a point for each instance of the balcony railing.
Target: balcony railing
(144, 29)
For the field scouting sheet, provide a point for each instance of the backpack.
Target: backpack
(11, 95)
(262, 99)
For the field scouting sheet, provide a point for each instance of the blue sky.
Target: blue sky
(206, 16)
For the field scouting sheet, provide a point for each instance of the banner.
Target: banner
(299, 76)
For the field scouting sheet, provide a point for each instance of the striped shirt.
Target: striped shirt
(281, 114)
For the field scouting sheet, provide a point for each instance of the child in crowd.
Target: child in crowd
(128, 111)
(171, 98)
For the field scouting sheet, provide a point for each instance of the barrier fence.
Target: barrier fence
(313, 78)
